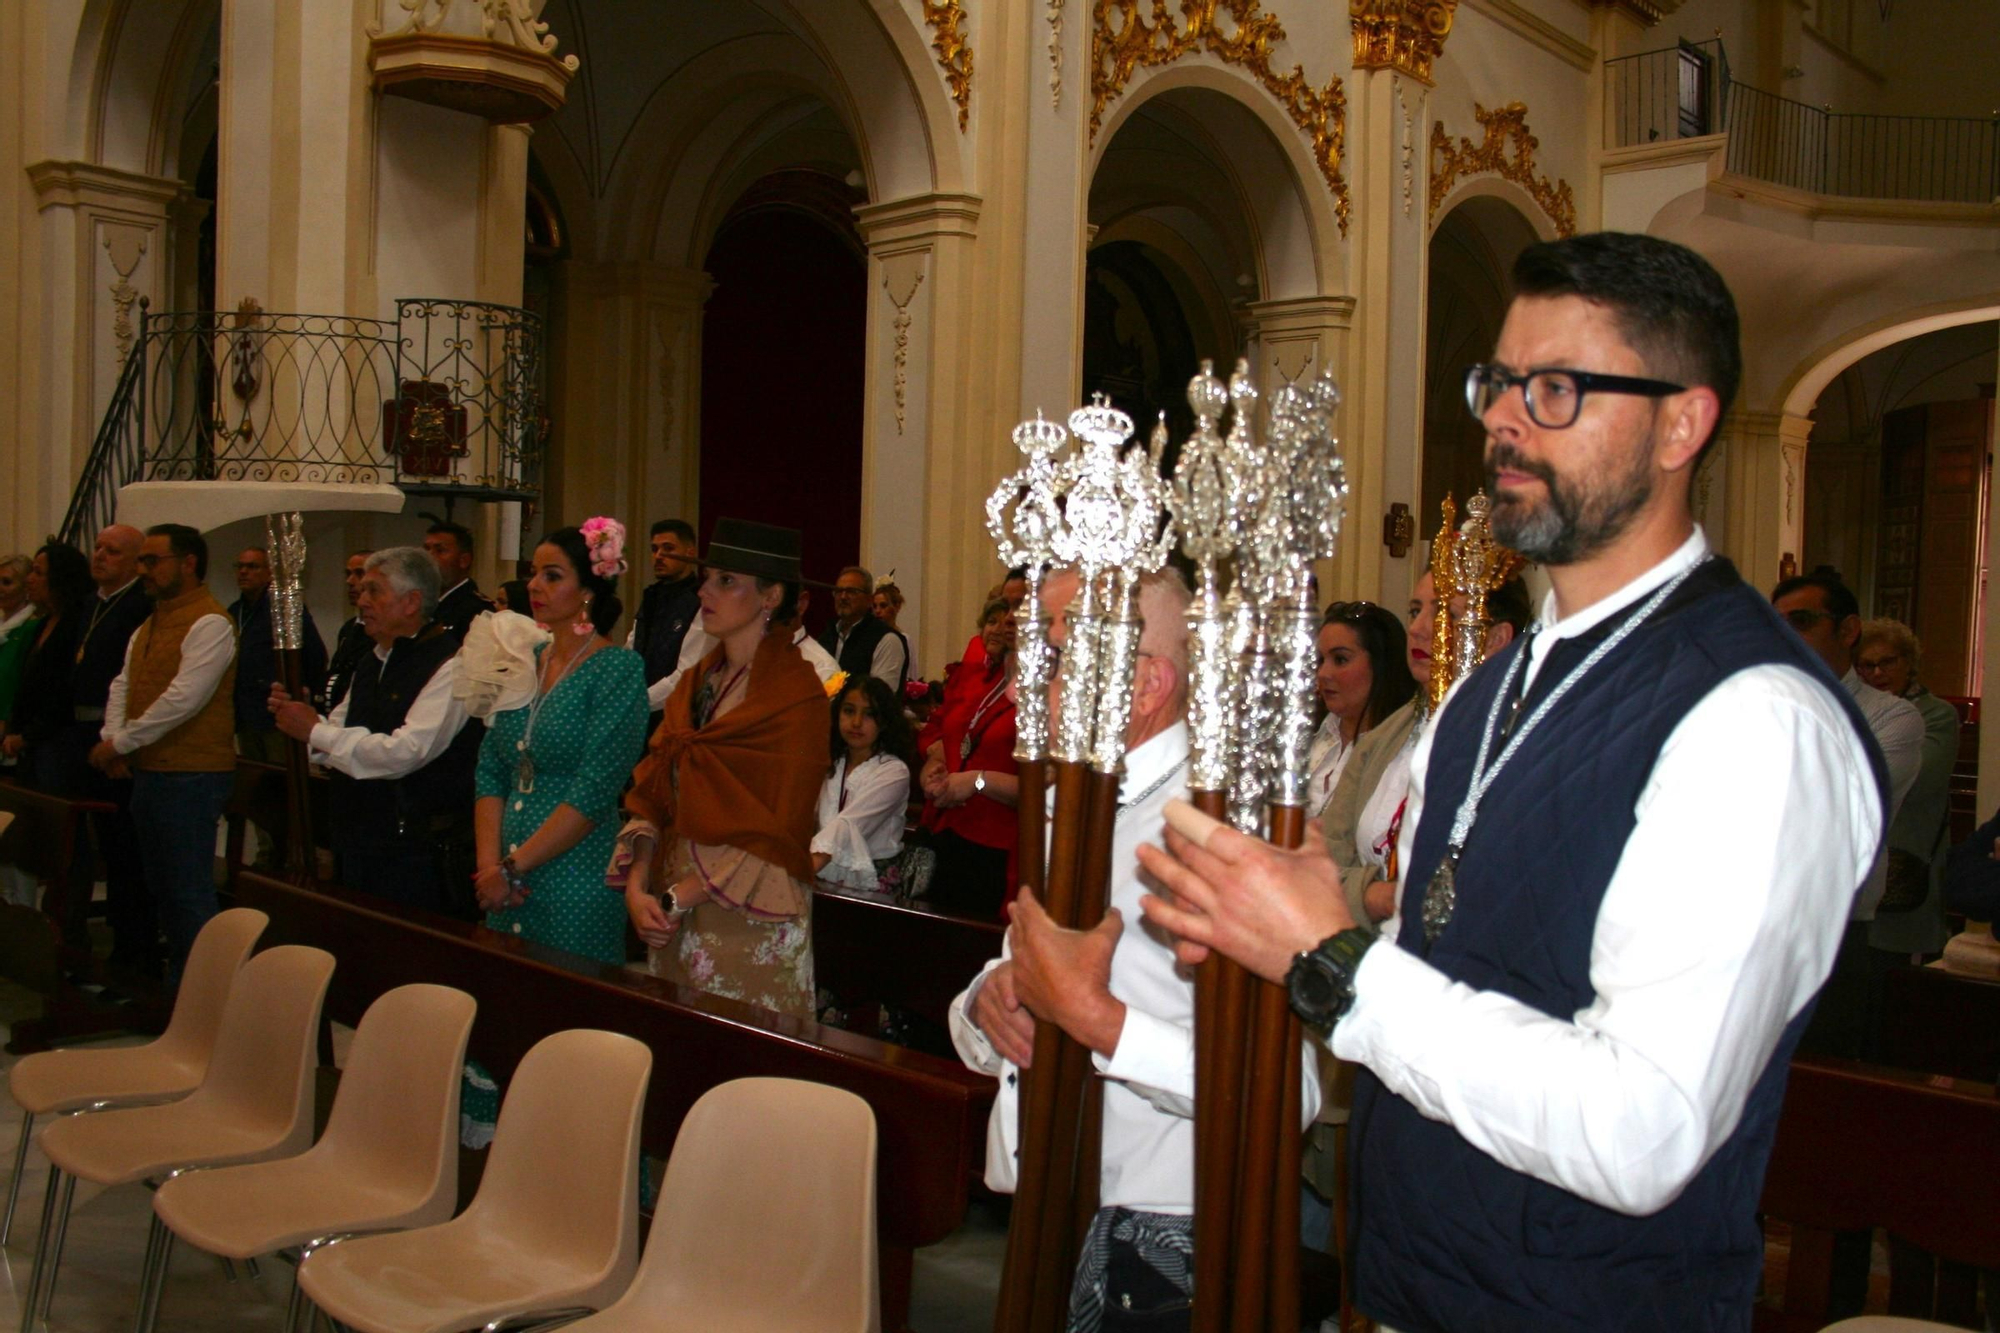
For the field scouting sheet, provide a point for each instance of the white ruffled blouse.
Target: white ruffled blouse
(867, 825)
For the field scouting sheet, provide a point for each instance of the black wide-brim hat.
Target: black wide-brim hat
(762, 550)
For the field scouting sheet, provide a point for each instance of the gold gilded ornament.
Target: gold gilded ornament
(1129, 35)
(1465, 563)
(1403, 35)
(1504, 125)
(954, 52)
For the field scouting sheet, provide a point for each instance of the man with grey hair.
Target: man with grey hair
(401, 749)
(863, 645)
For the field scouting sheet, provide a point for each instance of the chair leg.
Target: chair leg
(14, 1184)
(56, 1246)
(28, 1298)
(292, 1307)
(149, 1298)
(229, 1269)
(153, 1228)
(250, 1267)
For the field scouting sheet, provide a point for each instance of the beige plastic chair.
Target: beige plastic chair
(65, 1082)
(388, 1159)
(1882, 1323)
(552, 1233)
(766, 1219)
(254, 1105)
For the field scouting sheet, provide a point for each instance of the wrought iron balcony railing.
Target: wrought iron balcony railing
(1686, 91)
(446, 399)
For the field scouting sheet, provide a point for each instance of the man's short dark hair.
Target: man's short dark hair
(184, 541)
(684, 531)
(1670, 304)
(1839, 598)
(1509, 604)
(458, 532)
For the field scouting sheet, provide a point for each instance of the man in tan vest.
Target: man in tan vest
(169, 722)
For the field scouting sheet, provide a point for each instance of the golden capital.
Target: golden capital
(1403, 35)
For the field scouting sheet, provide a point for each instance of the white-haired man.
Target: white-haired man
(401, 748)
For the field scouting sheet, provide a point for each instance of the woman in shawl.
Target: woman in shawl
(714, 858)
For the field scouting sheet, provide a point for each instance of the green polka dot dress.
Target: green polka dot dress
(589, 735)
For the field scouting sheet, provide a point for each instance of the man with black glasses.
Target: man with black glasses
(1631, 842)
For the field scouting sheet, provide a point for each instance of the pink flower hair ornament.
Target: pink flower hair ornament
(605, 538)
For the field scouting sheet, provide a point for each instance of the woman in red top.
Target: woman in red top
(969, 781)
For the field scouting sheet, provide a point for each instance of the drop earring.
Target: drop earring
(582, 627)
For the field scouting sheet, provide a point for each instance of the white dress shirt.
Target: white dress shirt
(1899, 730)
(1328, 757)
(867, 825)
(206, 653)
(433, 722)
(1148, 1143)
(885, 663)
(1720, 922)
(696, 645)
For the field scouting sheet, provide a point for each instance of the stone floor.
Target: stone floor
(955, 1281)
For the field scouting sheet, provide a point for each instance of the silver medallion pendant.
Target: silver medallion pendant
(1440, 896)
(524, 774)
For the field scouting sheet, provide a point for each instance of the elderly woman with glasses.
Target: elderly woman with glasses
(1888, 656)
(1363, 676)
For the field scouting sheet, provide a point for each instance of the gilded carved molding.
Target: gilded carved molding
(1404, 35)
(1055, 15)
(954, 52)
(1507, 125)
(901, 277)
(1123, 41)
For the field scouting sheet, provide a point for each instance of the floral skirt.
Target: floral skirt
(728, 953)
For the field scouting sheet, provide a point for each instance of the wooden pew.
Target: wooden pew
(870, 950)
(41, 841)
(1861, 1146)
(1938, 1022)
(930, 1114)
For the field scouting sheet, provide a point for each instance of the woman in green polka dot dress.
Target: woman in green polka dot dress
(551, 772)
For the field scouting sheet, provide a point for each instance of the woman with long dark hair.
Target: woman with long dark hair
(866, 797)
(60, 589)
(1363, 676)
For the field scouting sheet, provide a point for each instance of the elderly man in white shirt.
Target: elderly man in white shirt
(399, 746)
(1117, 990)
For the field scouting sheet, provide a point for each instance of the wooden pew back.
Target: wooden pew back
(872, 950)
(1937, 1022)
(1860, 1147)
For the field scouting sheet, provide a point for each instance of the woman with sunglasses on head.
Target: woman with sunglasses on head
(1363, 676)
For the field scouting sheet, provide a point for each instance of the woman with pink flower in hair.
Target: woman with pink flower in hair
(567, 721)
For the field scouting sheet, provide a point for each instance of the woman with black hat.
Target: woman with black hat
(715, 858)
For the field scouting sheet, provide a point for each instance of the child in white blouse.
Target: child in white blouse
(864, 803)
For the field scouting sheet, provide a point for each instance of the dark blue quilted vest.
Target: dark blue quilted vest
(1447, 1240)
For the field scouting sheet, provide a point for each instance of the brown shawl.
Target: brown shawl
(751, 777)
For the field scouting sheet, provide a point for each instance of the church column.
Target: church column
(1396, 43)
(107, 239)
(1752, 502)
(630, 374)
(925, 471)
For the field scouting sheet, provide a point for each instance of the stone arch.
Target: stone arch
(1810, 377)
(135, 64)
(1515, 200)
(1280, 188)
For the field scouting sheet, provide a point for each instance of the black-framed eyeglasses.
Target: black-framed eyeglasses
(1554, 395)
(1803, 618)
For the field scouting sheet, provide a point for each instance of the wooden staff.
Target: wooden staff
(286, 545)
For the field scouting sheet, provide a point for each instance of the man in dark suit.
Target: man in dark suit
(670, 605)
(352, 644)
(449, 545)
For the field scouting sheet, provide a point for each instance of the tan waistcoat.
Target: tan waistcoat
(206, 742)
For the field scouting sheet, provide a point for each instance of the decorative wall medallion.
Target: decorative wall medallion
(1403, 35)
(126, 246)
(1055, 12)
(954, 52)
(900, 278)
(1504, 125)
(1123, 41)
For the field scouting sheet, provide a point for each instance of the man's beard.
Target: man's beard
(1574, 522)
